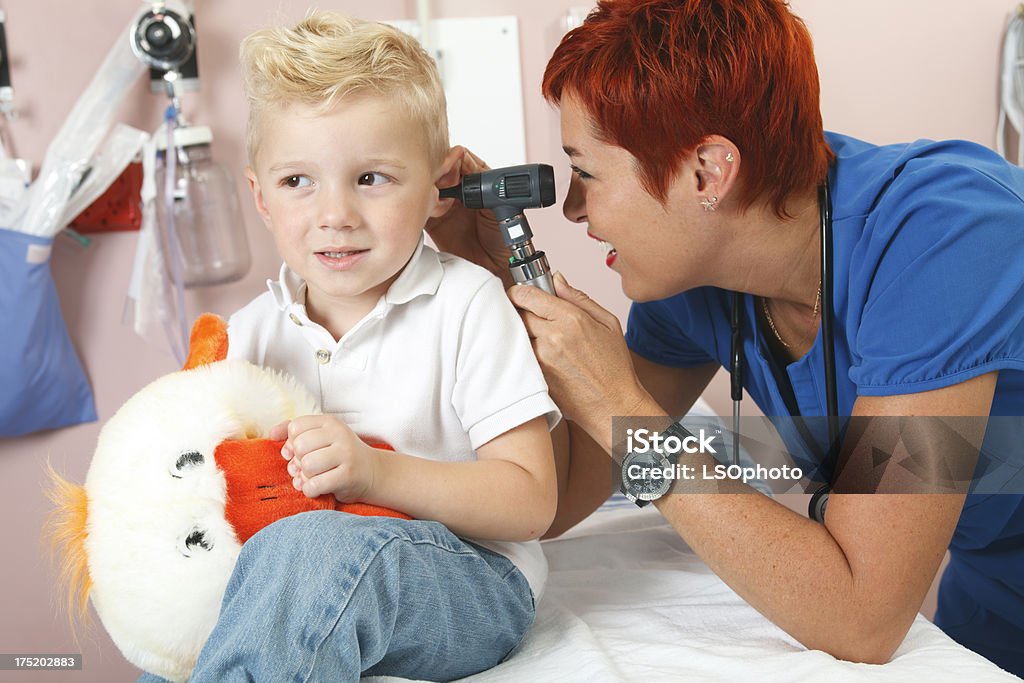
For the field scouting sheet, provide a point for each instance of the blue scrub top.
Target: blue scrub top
(929, 292)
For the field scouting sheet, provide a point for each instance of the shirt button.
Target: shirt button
(295, 319)
(323, 356)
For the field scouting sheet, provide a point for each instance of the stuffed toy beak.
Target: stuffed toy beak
(260, 491)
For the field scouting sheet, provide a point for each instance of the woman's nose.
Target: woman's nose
(575, 205)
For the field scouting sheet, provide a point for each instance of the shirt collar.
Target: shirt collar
(421, 276)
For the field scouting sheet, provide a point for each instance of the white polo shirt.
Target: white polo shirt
(439, 367)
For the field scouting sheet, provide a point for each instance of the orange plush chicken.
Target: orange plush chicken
(182, 476)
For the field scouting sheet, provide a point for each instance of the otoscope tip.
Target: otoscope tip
(454, 192)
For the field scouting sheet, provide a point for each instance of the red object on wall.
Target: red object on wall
(117, 209)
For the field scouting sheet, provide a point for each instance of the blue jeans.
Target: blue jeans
(329, 596)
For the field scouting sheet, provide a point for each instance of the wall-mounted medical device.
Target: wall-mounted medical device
(164, 38)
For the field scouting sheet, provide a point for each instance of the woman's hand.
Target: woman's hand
(471, 233)
(325, 456)
(583, 354)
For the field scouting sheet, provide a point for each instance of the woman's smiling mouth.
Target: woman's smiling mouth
(610, 253)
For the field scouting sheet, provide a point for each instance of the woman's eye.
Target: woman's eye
(296, 181)
(580, 173)
(373, 179)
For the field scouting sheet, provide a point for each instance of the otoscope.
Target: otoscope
(507, 192)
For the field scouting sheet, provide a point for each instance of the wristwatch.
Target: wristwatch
(643, 477)
(647, 483)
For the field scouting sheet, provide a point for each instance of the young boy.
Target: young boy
(347, 148)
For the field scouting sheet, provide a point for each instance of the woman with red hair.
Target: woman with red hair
(695, 137)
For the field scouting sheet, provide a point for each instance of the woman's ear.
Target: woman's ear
(257, 195)
(449, 174)
(717, 168)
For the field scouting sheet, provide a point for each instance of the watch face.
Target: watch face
(643, 476)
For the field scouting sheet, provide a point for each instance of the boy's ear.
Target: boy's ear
(450, 174)
(257, 195)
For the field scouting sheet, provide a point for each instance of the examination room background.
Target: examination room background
(892, 70)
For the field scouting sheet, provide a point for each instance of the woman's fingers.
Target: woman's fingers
(472, 162)
(570, 304)
(468, 161)
(566, 291)
(536, 327)
(580, 347)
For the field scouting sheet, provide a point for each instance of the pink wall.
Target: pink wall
(890, 70)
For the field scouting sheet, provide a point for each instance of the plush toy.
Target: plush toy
(182, 476)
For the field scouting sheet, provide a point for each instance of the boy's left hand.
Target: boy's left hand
(325, 456)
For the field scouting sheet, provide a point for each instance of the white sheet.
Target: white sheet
(628, 601)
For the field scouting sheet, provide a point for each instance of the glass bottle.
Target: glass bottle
(207, 214)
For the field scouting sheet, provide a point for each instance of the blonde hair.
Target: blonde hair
(328, 56)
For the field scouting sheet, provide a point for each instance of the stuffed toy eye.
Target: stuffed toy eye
(194, 542)
(185, 462)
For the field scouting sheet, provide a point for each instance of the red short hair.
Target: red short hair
(658, 76)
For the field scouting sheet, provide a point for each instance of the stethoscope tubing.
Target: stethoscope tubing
(827, 316)
(819, 500)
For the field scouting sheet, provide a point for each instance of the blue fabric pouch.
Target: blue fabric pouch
(42, 384)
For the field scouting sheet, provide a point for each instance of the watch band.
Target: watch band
(677, 430)
(639, 502)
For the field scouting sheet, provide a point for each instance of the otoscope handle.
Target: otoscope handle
(543, 281)
(529, 267)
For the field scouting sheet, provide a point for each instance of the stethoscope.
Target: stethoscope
(819, 500)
